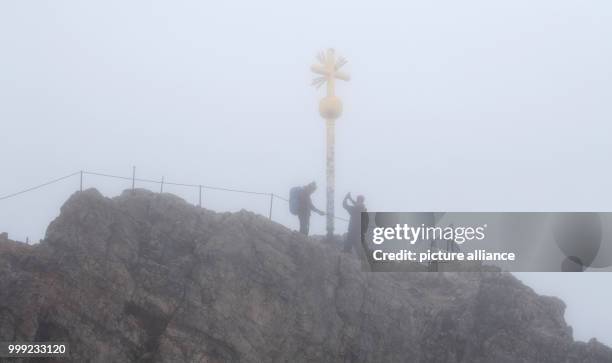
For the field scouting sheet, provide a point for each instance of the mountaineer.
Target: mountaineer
(355, 229)
(300, 204)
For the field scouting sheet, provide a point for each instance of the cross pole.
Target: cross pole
(330, 109)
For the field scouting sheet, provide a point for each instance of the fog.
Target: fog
(452, 106)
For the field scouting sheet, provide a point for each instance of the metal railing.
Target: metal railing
(162, 182)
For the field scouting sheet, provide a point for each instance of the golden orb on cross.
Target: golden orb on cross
(330, 107)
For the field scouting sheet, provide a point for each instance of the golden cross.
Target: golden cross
(329, 69)
(330, 109)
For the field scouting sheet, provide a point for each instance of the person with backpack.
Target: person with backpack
(300, 204)
(355, 230)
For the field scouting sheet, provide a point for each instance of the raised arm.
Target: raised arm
(345, 203)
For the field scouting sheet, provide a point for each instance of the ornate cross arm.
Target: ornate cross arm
(329, 68)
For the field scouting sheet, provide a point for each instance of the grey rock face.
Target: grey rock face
(147, 277)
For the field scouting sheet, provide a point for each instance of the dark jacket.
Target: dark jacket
(354, 228)
(306, 206)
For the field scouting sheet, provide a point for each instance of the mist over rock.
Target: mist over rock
(149, 277)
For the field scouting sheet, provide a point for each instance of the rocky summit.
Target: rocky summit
(148, 277)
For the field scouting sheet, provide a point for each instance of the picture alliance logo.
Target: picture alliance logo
(413, 234)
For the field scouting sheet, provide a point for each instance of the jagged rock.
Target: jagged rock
(148, 277)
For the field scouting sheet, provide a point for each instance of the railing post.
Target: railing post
(200, 199)
(81, 184)
(133, 178)
(271, 202)
(161, 189)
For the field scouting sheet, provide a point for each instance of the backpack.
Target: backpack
(294, 200)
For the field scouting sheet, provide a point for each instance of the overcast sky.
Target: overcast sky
(452, 106)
